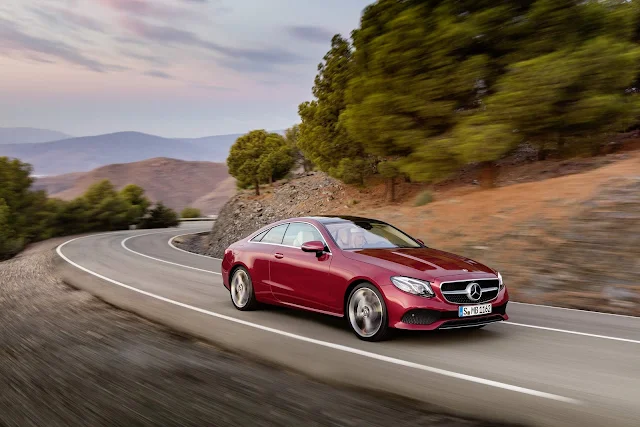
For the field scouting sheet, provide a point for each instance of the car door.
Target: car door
(259, 256)
(301, 278)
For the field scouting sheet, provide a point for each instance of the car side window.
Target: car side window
(275, 235)
(260, 236)
(299, 233)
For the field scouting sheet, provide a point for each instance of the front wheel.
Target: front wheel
(242, 294)
(367, 313)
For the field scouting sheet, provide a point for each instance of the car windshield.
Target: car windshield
(350, 235)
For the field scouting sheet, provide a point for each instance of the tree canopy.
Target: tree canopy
(259, 156)
(29, 216)
(424, 88)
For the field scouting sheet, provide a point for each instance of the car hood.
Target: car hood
(431, 262)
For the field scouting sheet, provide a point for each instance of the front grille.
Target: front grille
(454, 292)
(421, 317)
(466, 323)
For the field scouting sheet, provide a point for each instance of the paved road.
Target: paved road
(546, 366)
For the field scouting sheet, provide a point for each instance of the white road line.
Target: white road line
(585, 334)
(334, 346)
(188, 252)
(124, 245)
(575, 309)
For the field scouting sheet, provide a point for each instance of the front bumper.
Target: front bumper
(417, 313)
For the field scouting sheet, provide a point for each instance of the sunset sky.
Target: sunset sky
(175, 68)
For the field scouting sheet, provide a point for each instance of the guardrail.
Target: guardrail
(199, 219)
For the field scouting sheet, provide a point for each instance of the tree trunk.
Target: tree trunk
(391, 189)
(257, 184)
(489, 174)
(270, 179)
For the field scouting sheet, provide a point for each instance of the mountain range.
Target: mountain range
(177, 183)
(83, 154)
(29, 135)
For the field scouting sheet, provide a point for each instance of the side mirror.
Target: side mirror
(313, 246)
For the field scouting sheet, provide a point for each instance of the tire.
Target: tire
(242, 294)
(366, 302)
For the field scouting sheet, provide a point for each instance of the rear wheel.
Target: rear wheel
(242, 294)
(367, 313)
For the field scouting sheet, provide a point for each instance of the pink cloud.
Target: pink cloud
(146, 8)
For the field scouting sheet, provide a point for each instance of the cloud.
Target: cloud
(13, 39)
(155, 60)
(65, 17)
(148, 8)
(235, 58)
(159, 74)
(311, 33)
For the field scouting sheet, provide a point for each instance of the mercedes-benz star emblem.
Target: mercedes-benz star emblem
(474, 291)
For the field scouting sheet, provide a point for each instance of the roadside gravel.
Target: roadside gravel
(69, 359)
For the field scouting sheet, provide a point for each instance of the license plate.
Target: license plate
(474, 310)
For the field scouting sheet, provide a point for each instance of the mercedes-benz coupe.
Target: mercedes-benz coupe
(368, 271)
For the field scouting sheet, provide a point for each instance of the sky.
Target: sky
(175, 68)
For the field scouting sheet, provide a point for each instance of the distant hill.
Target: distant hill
(177, 183)
(24, 135)
(89, 152)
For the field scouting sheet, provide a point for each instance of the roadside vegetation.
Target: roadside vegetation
(422, 90)
(28, 216)
(190, 212)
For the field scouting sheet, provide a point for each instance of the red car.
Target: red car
(368, 271)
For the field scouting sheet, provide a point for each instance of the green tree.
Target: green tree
(323, 137)
(190, 212)
(160, 217)
(418, 66)
(259, 156)
(292, 137)
(10, 243)
(570, 85)
(106, 209)
(134, 195)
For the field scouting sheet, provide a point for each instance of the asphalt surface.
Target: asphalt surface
(546, 366)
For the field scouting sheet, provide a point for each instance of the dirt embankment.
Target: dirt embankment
(572, 240)
(68, 359)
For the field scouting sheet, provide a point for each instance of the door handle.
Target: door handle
(279, 255)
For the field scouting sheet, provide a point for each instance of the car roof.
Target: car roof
(331, 219)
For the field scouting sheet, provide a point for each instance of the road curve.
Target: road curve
(546, 366)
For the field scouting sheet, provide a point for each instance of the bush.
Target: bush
(191, 213)
(28, 216)
(423, 198)
(160, 217)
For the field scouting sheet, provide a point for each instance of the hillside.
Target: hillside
(177, 183)
(83, 154)
(570, 240)
(24, 135)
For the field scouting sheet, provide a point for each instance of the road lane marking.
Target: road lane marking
(124, 245)
(576, 309)
(585, 334)
(327, 344)
(188, 252)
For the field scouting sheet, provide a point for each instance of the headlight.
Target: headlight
(413, 286)
(501, 283)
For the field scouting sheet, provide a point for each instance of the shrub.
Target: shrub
(191, 213)
(160, 217)
(423, 198)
